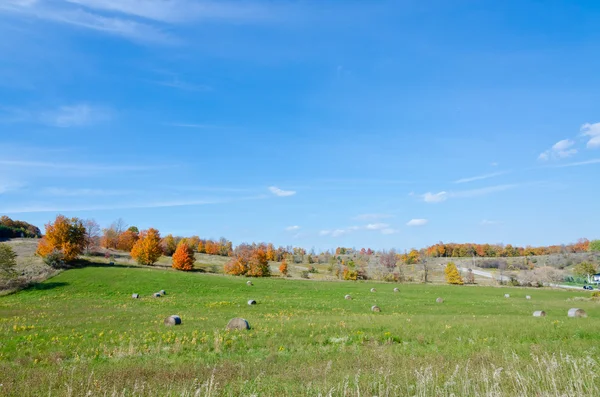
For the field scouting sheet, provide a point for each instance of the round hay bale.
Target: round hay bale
(396, 289)
(506, 295)
(373, 290)
(249, 283)
(577, 313)
(237, 323)
(375, 309)
(348, 297)
(439, 300)
(252, 302)
(173, 320)
(135, 296)
(162, 292)
(156, 295)
(527, 297)
(539, 313)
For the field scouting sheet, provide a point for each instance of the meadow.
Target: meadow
(80, 333)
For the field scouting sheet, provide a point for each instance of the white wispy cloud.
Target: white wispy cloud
(281, 193)
(593, 132)
(372, 217)
(79, 192)
(443, 196)
(60, 12)
(292, 228)
(80, 166)
(417, 222)
(7, 186)
(39, 207)
(481, 177)
(137, 20)
(377, 226)
(435, 197)
(577, 164)
(561, 149)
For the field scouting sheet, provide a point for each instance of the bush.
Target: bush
(55, 259)
(596, 294)
(594, 246)
(283, 268)
(304, 274)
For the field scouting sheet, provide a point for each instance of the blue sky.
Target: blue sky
(383, 124)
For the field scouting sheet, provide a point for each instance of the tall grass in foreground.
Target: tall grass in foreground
(546, 375)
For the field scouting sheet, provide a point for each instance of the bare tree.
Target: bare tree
(92, 234)
(119, 226)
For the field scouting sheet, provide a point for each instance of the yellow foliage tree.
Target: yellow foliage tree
(66, 235)
(183, 258)
(169, 245)
(146, 249)
(452, 274)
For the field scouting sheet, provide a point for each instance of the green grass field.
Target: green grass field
(80, 333)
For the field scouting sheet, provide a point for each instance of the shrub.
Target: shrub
(55, 259)
(8, 261)
(183, 258)
(596, 294)
(584, 269)
(312, 269)
(594, 246)
(350, 274)
(304, 274)
(452, 274)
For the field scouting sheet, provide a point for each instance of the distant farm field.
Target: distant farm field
(80, 333)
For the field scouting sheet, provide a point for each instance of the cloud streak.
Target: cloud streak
(79, 166)
(417, 222)
(592, 131)
(481, 177)
(443, 196)
(281, 193)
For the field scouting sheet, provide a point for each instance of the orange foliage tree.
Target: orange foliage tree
(66, 235)
(249, 261)
(169, 245)
(283, 268)
(201, 247)
(183, 258)
(146, 249)
(126, 240)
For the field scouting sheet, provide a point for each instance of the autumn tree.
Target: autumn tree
(183, 258)
(258, 265)
(201, 247)
(65, 235)
(271, 253)
(127, 239)
(147, 250)
(169, 245)
(283, 268)
(452, 274)
(8, 261)
(193, 242)
(110, 238)
(92, 234)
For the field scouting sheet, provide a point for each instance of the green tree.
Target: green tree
(594, 246)
(585, 269)
(8, 261)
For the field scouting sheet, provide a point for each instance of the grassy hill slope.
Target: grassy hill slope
(81, 333)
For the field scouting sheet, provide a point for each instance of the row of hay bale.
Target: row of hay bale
(155, 295)
(236, 323)
(574, 312)
(526, 296)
